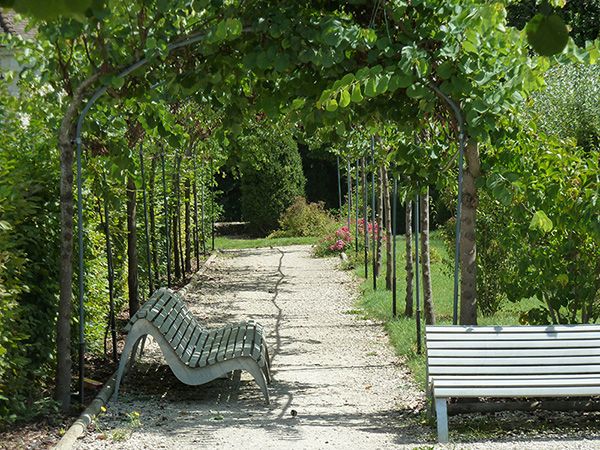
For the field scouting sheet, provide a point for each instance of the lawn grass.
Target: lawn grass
(402, 330)
(233, 242)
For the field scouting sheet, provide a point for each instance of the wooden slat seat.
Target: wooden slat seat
(195, 354)
(516, 361)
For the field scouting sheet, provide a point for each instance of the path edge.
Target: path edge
(78, 428)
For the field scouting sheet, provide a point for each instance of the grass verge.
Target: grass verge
(377, 304)
(234, 242)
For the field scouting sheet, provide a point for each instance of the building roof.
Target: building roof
(9, 24)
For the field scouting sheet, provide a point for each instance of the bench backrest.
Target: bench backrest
(553, 350)
(164, 303)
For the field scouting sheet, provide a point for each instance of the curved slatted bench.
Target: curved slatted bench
(195, 354)
(520, 361)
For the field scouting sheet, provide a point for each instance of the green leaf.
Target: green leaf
(357, 96)
(548, 35)
(402, 80)
(331, 105)
(371, 88)
(117, 82)
(234, 27)
(382, 84)
(444, 70)
(344, 98)
(540, 221)
(416, 91)
(298, 103)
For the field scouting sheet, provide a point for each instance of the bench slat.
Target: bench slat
(517, 352)
(575, 343)
(213, 341)
(177, 323)
(196, 353)
(212, 357)
(186, 339)
(511, 370)
(517, 362)
(166, 310)
(548, 337)
(249, 340)
(477, 329)
(170, 319)
(509, 381)
(158, 306)
(562, 391)
(230, 347)
(177, 340)
(239, 343)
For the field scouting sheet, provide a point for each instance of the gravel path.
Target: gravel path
(337, 383)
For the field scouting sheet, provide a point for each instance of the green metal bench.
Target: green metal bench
(520, 361)
(195, 354)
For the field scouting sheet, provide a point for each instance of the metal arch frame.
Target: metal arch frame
(194, 38)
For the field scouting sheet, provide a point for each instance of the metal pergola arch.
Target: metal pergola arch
(190, 40)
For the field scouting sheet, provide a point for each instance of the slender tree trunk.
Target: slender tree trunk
(426, 261)
(408, 310)
(388, 230)
(151, 210)
(468, 249)
(176, 246)
(63, 323)
(188, 241)
(380, 216)
(132, 258)
(178, 219)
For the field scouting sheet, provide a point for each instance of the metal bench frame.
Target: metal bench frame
(516, 361)
(195, 354)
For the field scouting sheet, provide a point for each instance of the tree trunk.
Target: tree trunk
(63, 323)
(132, 259)
(388, 230)
(408, 309)
(188, 241)
(468, 250)
(151, 211)
(176, 246)
(426, 260)
(380, 214)
(178, 218)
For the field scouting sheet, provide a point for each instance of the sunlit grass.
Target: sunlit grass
(402, 330)
(232, 242)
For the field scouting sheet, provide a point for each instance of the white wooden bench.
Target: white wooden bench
(518, 361)
(195, 354)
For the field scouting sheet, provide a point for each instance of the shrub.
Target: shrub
(304, 219)
(270, 184)
(342, 239)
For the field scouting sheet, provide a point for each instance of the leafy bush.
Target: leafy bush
(29, 237)
(343, 239)
(272, 181)
(304, 219)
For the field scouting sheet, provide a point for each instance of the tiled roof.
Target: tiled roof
(11, 25)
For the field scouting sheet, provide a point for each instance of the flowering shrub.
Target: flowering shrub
(342, 239)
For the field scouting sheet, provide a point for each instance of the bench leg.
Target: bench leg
(441, 409)
(259, 376)
(126, 360)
